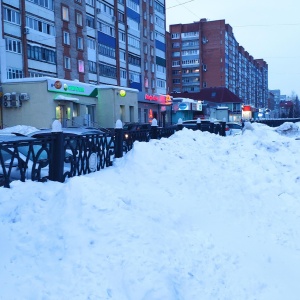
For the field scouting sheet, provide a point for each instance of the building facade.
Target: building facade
(206, 54)
(110, 42)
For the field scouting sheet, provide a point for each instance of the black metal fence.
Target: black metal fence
(59, 156)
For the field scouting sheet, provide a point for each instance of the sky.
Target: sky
(268, 30)
(194, 216)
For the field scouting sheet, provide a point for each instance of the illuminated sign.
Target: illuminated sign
(77, 88)
(162, 99)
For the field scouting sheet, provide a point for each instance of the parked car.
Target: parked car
(234, 128)
(205, 125)
(13, 164)
(30, 160)
(132, 126)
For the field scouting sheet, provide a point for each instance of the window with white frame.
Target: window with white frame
(90, 2)
(40, 26)
(92, 67)
(106, 9)
(175, 35)
(11, 16)
(91, 43)
(79, 43)
(44, 3)
(67, 62)
(160, 22)
(123, 74)
(122, 55)
(160, 69)
(13, 73)
(13, 45)
(106, 28)
(175, 63)
(190, 52)
(133, 24)
(122, 36)
(66, 37)
(190, 34)
(134, 42)
(161, 83)
(133, 5)
(134, 76)
(190, 62)
(152, 67)
(79, 19)
(65, 13)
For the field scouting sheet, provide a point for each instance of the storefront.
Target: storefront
(38, 102)
(157, 107)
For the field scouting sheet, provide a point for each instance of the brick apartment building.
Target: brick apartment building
(206, 54)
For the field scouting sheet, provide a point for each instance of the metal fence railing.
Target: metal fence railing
(59, 156)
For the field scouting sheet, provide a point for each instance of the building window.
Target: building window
(80, 66)
(106, 50)
(90, 2)
(44, 3)
(67, 62)
(66, 36)
(79, 43)
(13, 45)
(41, 54)
(91, 43)
(175, 35)
(123, 74)
(121, 17)
(90, 21)
(65, 13)
(40, 25)
(92, 67)
(77, 1)
(79, 19)
(11, 16)
(107, 71)
(13, 73)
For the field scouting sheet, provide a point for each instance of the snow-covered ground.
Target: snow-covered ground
(195, 216)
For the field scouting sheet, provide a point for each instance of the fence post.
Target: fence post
(223, 124)
(154, 131)
(179, 124)
(119, 139)
(198, 124)
(211, 127)
(56, 166)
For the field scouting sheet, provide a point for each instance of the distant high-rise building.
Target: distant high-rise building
(206, 54)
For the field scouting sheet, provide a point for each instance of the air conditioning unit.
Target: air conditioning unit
(98, 10)
(7, 103)
(7, 96)
(24, 97)
(204, 40)
(15, 103)
(26, 30)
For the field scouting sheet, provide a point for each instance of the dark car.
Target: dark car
(132, 126)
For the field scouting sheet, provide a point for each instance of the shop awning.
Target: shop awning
(66, 98)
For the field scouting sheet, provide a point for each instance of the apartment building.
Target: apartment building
(111, 42)
(205, 54)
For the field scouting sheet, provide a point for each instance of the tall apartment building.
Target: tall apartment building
(114, 42)
(206, 54)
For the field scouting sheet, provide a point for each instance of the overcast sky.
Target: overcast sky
(267, 29)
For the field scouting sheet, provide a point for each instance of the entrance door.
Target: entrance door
(60, 113)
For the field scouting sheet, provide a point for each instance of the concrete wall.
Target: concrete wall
(112, 106)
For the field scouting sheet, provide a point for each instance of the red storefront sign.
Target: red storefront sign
(161, 99)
